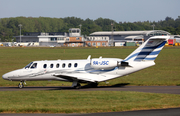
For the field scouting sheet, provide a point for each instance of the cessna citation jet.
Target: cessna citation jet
(89, 70)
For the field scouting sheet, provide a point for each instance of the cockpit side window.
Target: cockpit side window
(34, 66)
(26, 67)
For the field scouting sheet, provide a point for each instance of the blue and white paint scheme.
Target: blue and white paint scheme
(89, 70)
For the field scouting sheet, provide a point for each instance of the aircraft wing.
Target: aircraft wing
(84, 77)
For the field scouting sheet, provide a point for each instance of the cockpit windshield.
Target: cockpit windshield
(26, 67)
(34, 65)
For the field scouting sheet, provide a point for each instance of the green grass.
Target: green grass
(60, 101)
(165, 72)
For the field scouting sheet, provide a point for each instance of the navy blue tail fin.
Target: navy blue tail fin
(149, 50)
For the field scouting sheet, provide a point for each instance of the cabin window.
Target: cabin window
(45, 65)
(34, 66)
(51, 66)
(63, 65)
(75, 65)
(57, 65)
(69, 65)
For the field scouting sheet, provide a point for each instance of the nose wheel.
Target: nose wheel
(21, 85)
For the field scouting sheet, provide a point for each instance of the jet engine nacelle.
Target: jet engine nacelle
(103, 63)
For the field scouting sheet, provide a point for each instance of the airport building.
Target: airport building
(122, 38)
(75, 39)
(51, 38)
(71, 39)
(122, 35)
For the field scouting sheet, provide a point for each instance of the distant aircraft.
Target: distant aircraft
(89, 70)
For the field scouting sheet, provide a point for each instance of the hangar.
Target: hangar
(121, 35)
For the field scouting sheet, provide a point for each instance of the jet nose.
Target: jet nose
(12, 75)
(5, 76)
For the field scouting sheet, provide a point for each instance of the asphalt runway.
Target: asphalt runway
(149, 89)
(158, 112)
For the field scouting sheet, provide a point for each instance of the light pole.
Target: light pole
(80, 28)
(153, 28)
(112, 39)
(20, 32)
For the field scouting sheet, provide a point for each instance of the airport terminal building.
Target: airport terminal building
(71, 39)
(75, 39)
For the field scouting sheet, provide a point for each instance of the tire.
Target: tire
(20, 85)
(94, 85)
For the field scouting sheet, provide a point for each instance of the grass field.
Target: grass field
(59, 101)
(165, 72)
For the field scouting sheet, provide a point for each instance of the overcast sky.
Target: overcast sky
(118, 10)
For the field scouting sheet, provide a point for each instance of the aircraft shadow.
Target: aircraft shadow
(85, 87)
(89, 87)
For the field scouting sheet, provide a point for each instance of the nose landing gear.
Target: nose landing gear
(21, 84)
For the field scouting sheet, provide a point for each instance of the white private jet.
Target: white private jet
(90, 70)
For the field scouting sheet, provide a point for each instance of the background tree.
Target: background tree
(9, 26)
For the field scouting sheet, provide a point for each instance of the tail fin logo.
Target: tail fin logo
(149, 50)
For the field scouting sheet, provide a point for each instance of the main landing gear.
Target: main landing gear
(94, 85)
(21, 84)
(76, 85)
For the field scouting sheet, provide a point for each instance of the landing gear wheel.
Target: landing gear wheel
(94, 85)
(78, 86)
(20, 85)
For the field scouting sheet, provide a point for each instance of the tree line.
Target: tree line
(9, 26)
